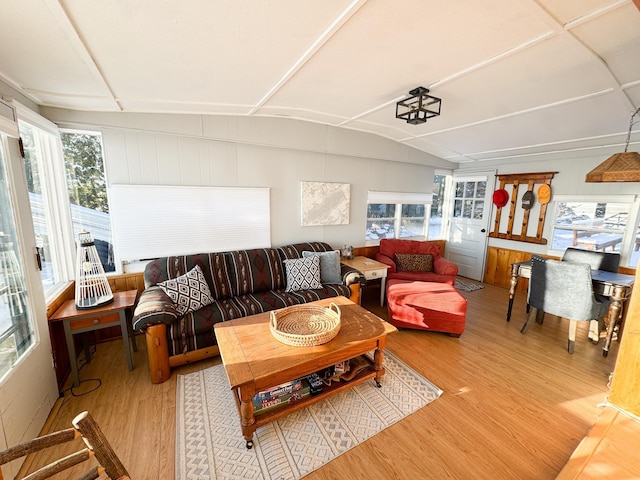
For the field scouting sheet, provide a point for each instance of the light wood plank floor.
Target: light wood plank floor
(514, 406)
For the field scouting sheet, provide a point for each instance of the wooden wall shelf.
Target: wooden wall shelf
(530, 180)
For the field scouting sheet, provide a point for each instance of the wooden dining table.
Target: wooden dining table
(617, 286)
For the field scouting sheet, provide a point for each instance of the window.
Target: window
(87, 187)
(397, 215)
(39, 146)
(439, 209)
(602, 226)
(469, 199)
(16, 328)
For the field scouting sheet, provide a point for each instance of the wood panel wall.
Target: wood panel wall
(625, 387)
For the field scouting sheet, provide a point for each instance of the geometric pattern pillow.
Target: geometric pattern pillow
(413, 262)
(303, 273)
(189, 292)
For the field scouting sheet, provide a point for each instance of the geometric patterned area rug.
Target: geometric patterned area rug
(467, 286)
(210, 445)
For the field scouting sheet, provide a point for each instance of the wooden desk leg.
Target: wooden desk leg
(125, 338)
(73, 361)
(515, 269)
(614, 313)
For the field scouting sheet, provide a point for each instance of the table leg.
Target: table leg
(513, 283)
(125, 339)
(132, 334)
(72, 353)
(383, 287)
(378, 357)
(615, 308)
(247, 419)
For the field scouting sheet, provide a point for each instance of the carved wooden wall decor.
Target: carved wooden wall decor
(528, 180)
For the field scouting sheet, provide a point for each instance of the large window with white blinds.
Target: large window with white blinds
(151, 221)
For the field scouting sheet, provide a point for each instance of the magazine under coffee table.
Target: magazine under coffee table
(255, 361)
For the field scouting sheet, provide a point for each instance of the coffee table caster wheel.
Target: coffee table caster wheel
(378, 384)
(249, 444)
(605, 353)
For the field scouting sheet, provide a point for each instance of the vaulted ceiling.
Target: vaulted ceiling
(516, 77)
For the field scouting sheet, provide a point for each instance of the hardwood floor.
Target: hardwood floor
(514, 406)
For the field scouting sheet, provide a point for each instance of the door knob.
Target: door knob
(483, 230)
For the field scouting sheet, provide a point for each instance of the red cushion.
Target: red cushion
(391, 246)
(426, 306)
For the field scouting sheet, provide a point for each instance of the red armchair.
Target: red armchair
(444, 271)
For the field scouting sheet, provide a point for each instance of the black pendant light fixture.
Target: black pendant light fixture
(418, 107)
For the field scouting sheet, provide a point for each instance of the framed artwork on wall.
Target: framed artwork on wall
(324, 203)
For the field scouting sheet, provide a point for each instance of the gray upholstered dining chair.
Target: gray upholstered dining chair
(564, 289)
(607, 261)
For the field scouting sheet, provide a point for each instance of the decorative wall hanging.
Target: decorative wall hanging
(528, 200)
(325, 203)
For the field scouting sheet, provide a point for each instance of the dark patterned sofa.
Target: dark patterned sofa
(241, 283)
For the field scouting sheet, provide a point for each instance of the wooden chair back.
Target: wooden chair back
(96, 445)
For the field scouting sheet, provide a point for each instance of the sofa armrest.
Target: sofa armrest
(381, 257)
(351, 276)
(444, 267)
(154, 307)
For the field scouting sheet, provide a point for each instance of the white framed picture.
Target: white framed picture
(325, 203)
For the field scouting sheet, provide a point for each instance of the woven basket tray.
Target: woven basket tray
(305, 325)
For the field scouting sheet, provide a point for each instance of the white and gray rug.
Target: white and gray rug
(467, 286)
(210, 445)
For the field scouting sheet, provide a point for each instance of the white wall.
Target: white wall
(572, 168)
(258, 152)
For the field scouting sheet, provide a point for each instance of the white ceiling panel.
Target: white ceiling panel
(39, 53)
(385, 51)
(582, 121)
(218, 52)
(620, 50)
(515, 77)
(569, 10)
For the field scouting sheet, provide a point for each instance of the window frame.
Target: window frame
(399, 199)
(59, 210)
(627, 244)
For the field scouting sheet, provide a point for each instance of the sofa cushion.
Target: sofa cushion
(414, 262)
(390, 246)
(195, 329)
(295, 250)
(213, 266)
(189, 292)
(257, 270)
(303, 273)
(329, 265)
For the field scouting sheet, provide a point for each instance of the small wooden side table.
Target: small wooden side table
(87, 320)
(371, 269)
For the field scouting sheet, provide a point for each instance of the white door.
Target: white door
(28, 386)
(469, 227)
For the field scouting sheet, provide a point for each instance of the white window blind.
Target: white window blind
(151, 221)
(399, 197)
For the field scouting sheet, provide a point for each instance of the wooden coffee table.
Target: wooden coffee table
(255, 361)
